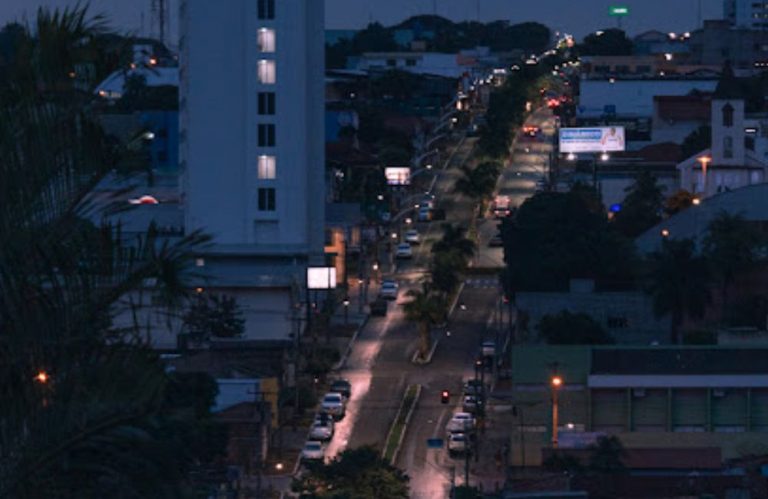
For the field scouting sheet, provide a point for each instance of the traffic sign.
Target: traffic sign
(434, 443)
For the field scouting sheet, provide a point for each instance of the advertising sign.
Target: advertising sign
(598, 139)
(398, 175)
(618, 10)
(321, 277)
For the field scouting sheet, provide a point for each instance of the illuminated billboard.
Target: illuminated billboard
(595, 139)
(321, 277)
(398, 175)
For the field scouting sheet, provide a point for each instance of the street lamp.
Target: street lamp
(704, 161)
(664, 232)
(571, 157)
(346, 310)
(604, 157)
(42, 377)
(556, 382)
(696, 201)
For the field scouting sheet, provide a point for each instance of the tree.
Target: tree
(444, 271)
(557, 236)
(355, 473)
(606, 42)
(567, 328)
(641, 208)
(607, 455)
(678, 282)
(426, 310)
(478, 183)
(562, 463)
(454, 240)
(731, 245)
(89, 410)
(697, 141)
(213, 315)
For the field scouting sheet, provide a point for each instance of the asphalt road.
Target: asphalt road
(527, 165)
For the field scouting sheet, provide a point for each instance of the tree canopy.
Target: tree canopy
(355, 473)
(566, 328)
(558, 236)
(642, 207)
(606, 42)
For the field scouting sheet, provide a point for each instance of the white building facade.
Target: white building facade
(252, 150)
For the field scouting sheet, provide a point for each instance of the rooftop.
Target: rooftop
(680, 361)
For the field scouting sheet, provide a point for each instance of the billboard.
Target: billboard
(398, 175)
(321, 277)
(597, 139)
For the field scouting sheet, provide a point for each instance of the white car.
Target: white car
(322, 428)
(412, 236)
(312, 451)
(404, 251)
(460, 422)
(388, 289)
(458, 443)
(333, 404)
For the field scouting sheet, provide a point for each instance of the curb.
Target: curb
(343, 361)
(415, 357)
(405, 423)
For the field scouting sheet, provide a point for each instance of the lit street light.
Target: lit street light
(704, 161)
(556, 383)
(346, 310)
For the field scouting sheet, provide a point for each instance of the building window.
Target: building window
(267, 72)
(266, 9)
(267, 168)
(266, 135)
(727, 115)
(266, 103)
(266, 199)
(728, 147)
(410, 62)
(266, 40)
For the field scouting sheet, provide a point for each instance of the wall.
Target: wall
(632, 97)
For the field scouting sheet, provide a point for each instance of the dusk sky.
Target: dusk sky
(573, 16)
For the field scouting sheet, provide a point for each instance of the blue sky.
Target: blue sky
(574, 16)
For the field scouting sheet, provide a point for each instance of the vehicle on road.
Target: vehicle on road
(461, 422)
(404, 251)
(379, 307)
(322, 428)
(488, 349)
(541, 185)
(458, 443)
(501, 206)
(531, 131)
(425, 214)
(388, 289)
(471, 403)
(313, 451)
(413, 237)
(342, 386)
(496, 241)
(473, 387)
(428, 201)
(334, 404)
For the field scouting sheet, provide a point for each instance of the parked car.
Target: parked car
(488, 349)
(496, 241)
(471, 403)
(458, 443)
(312, 451)
(333, 404)
(342, 386)
(322, 429)
(403, 251)
(379, 307)
(461, 422)
(413, 237)
(388, 289)
(428, 201)
(425, 214)
(473, 387)
(541, 185)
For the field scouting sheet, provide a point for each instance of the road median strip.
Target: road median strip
(399, 425)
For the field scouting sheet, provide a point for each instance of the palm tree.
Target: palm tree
(88, 409)
(454, 240)
(425, 309)
(678, 283)
(731, 245)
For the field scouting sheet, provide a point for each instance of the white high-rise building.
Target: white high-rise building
(751, 14)
(252, 148)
